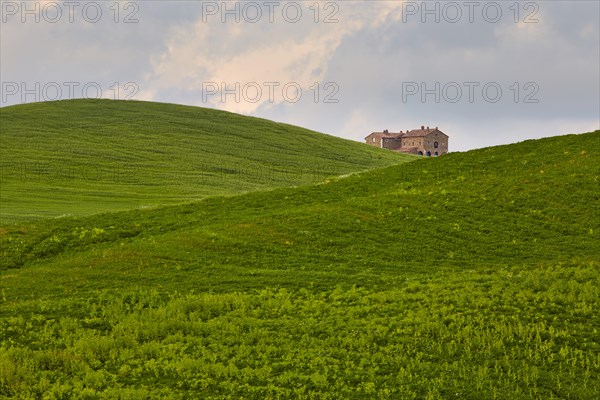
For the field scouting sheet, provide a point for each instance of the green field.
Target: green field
(474, 275)
(80, 157)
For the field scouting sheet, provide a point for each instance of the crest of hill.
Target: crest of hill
(79, 157)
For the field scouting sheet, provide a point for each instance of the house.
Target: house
(424, 142)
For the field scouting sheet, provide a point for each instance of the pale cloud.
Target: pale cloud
(274, 53)
(589, 32)
(358, 124)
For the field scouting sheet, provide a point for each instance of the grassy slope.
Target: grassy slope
(85, 156)
(504, 205)
(474, 275)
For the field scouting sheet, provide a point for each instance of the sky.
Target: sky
(483, 72)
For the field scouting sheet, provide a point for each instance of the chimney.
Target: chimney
(422, 127)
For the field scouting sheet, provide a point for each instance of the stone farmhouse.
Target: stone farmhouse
(424, 142)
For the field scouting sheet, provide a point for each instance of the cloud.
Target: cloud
(263, 58)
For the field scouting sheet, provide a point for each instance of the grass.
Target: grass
(471, 276)
(80, 157)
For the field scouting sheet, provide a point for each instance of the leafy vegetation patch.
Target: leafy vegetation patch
(511, 333)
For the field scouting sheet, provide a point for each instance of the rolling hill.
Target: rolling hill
(474, 275)
(79, 157)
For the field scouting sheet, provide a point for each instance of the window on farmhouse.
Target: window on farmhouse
(435, 145)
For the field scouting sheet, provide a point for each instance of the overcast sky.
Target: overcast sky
(485, 73)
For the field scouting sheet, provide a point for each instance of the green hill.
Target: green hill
(81, 157)
(474, 275)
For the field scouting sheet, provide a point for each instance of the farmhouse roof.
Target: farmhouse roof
(421, 132)
(383, 135)
(424, 131)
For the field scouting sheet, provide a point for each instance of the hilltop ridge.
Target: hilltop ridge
(78, 157)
